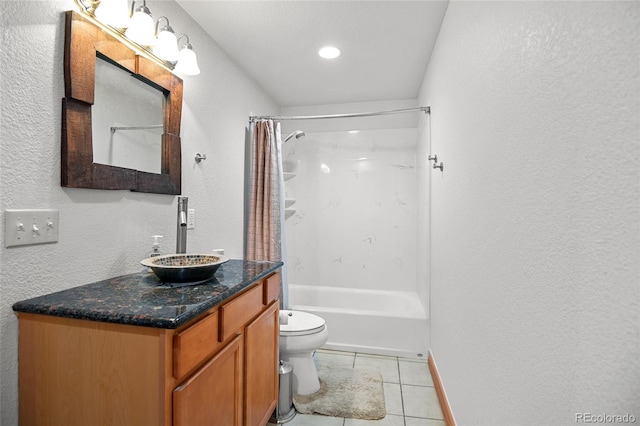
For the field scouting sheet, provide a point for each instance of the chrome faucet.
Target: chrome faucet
(181, 238)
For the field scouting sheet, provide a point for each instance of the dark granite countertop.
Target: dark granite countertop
(142, 299)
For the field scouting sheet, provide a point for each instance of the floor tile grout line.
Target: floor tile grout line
(404, 419)
(425, 418)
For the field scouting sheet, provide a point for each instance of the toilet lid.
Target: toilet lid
(301, 323)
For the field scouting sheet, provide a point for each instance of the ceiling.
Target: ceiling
(386, 45)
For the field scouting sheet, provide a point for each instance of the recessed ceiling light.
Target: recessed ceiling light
(329, 52)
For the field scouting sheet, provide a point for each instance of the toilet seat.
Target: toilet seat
(301, 323)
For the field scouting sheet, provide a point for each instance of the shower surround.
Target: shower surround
(352, 237)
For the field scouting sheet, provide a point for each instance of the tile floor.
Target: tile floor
(409, 394)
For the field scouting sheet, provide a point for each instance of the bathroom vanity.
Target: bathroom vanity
(133, 351)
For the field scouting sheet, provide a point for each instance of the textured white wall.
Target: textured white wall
(535, 269)
(105, 233)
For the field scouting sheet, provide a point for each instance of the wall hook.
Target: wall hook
(441, 166)
(434, 158)
(200, 157)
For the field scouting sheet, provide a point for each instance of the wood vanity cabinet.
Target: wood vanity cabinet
(219, 369)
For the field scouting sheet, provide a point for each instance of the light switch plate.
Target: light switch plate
(24, 227)
(191, 218)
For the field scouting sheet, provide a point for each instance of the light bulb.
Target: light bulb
(114, 13)
(167, 46)
(141, 28)
(187, 62)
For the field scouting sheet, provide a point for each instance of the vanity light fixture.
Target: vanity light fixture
(136, 28)
(187, 60)
(167, 46)
(141, 26)
(329, 52)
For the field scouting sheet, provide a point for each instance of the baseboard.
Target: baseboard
(449, 420)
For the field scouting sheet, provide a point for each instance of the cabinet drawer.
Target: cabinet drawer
(192, 345)
(271, 288)
(235, 314)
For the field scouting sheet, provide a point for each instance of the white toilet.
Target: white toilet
(301, 333)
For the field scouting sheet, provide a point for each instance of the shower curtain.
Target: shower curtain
(265, 222)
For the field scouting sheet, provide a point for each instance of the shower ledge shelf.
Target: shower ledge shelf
(289, 202)
(289, 175)
(288, 213)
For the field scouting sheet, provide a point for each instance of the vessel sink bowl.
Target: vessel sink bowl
(184, 268)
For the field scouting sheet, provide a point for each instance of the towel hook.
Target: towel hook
(435, 162)
(200, 157)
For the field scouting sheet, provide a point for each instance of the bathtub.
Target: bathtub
(367, 321)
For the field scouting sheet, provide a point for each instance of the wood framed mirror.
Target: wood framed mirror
(84, 43)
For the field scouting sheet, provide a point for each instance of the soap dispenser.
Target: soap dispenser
(156, 246)
(155, 250)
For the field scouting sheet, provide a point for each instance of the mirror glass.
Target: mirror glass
(127, 120)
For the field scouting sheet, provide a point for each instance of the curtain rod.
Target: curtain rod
(252, 118)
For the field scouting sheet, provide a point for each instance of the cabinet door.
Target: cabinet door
(213, 395)
(261, 373)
